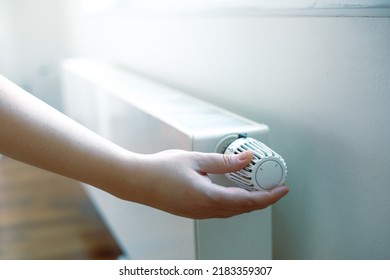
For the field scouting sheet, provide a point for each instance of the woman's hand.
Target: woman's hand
(173, 181)
(177, 182)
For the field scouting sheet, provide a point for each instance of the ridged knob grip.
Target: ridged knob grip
(266, 170)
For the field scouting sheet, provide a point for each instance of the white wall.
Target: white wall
(6, 40)
(321, 83)
(35, 40)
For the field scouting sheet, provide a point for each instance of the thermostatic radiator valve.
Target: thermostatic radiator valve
(266, 170)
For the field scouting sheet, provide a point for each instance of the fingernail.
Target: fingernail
(245, 155)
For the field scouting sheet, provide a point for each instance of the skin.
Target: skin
(35, 133)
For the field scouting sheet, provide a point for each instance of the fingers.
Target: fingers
(221, 163)
(195, 196)
(228, 202)
(243, 200)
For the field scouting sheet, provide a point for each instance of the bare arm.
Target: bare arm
(33, 132)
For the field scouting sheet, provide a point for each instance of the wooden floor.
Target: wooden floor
(46, 216)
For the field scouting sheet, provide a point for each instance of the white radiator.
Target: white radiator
(146, 117)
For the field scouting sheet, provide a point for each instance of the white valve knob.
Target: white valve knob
(266, 170)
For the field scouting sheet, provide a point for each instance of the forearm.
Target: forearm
(33, 132)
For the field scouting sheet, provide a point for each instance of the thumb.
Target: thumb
(221, 163)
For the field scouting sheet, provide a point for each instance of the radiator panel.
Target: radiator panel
(146, 117)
